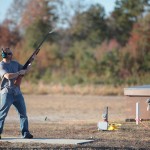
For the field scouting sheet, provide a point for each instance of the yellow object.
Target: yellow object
(114, 126)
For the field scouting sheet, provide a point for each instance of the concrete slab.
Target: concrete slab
(46, 141)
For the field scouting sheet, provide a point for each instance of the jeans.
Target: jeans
(7, 100)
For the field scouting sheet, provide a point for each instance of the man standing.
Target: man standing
(10, 93)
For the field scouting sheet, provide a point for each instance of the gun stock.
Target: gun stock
(17, 82)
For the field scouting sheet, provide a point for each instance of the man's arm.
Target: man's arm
(14, 75)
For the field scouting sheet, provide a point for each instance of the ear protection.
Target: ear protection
(4, 54)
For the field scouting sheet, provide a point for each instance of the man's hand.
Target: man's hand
(22, 72)
(15, 75)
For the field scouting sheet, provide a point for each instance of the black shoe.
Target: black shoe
(0, 136)
(27, 135)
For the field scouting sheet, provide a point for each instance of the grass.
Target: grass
(41, 88)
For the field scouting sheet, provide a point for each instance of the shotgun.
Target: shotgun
(17, 82)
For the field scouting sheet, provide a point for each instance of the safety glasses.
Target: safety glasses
(9, 53)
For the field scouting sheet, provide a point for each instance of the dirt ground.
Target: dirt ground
(76, 116)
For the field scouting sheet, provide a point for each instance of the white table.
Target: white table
(143, 91)
(138, 94)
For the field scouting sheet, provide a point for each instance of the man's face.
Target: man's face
(9, 53)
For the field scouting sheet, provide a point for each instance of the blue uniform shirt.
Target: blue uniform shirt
(7, 85)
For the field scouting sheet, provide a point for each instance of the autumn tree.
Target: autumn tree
(9, 30)
(90, 25)
(14, 14)
(8, 38)
(125, 14)
(139, 44)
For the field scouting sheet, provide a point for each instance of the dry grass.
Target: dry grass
(41, 88)
(73, 108)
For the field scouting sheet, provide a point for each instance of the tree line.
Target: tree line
(88, 47)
